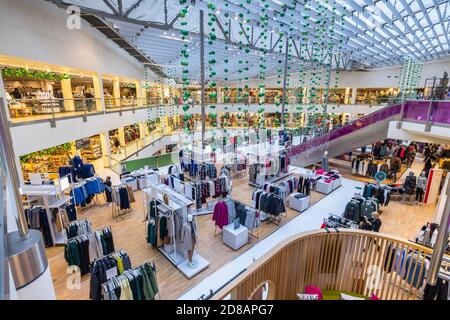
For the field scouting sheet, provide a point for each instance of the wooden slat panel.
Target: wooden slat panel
(335, 261)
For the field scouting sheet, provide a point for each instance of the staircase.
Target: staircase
(368, 129)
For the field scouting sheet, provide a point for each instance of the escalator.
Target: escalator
(369, 129)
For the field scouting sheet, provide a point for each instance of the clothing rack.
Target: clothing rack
(117, 211)
(251, 232)
(270, 216)
(80, 256)
(109, 254)
(127, 276)
(335, 221)
(105, 268)
(78, 224)
(50, 198)
(169, 251)
(88, 193)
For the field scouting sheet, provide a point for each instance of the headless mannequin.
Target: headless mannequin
(191, 252)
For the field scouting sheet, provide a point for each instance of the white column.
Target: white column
(98, 91)
(116, 92)
(122, 136)
(106, 148)
(66, 86)
(354, 95)
(143, 129)
(3, 96)
(138, 93)
(347, 95)
(218, 120)
(144, 93)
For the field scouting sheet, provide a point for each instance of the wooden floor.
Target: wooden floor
(129, 234)
(398, 218)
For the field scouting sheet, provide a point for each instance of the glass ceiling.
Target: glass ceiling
(367, 32)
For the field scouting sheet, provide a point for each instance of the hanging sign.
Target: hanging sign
(83, 143)
(380, 176)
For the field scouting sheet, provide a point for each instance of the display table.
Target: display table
(299, 204)
(235, 238)
(324, 187)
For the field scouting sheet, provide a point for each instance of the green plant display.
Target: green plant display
(33, 74)
(52, 151)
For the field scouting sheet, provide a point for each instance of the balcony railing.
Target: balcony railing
(52, 109)
(355, 261)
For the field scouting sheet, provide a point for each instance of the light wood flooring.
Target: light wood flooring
(398, 218)
(130, 234)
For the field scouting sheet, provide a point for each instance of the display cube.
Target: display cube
(235, 238)
(324, 187)
(299, 204)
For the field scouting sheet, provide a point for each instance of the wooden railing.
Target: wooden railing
(358, 261)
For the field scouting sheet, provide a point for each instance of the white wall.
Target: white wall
(376, 78)
(416, 132)
(36, 30)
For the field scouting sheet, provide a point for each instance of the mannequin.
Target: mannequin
(189, 239)
(325, 161)
(421, 186)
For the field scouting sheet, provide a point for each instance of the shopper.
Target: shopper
(16, 94)
(108, 190)
(428, 165)
(373, 224)
(376, 223)
(89, 99)
(116, 144)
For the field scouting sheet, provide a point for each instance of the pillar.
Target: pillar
(144, 93)
(353, 96)
(261, 91)
(3, 97)
(116, 92)
(305, 95)
(66, 86)
(106, 149)
(98, 92)
(138, 94)
(166, 93)
(122, 136)
(218, 120)
(143, 129)
(347, 97)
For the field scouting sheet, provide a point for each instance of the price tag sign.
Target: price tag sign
(110, 273)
